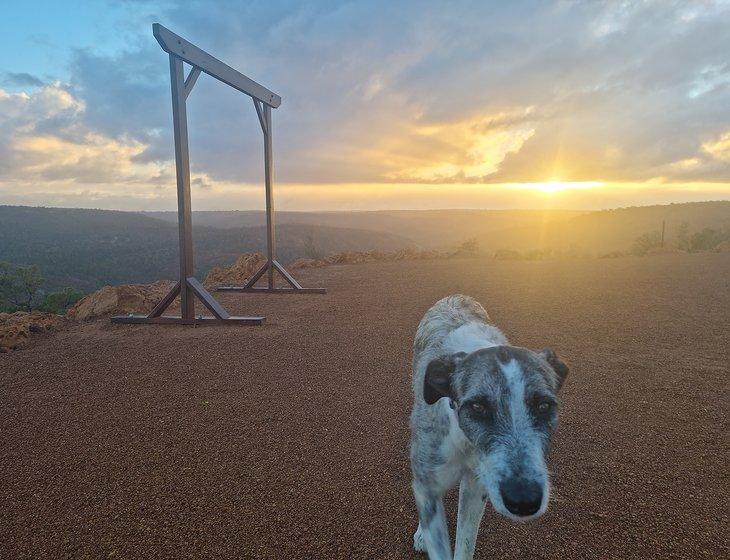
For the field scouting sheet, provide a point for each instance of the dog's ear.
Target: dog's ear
(437, 382)
(558, 365)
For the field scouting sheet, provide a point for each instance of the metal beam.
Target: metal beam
(182, 165)
(208, 300)
(145, 319)
(269, 179)
(191, 79)
(165, 302)
(288, 277)
(255, 278)
(176, 45)
(260, 113)
(266, 290)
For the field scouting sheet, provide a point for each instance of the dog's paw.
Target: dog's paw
(419, 545)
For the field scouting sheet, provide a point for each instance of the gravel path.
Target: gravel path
(290, 440)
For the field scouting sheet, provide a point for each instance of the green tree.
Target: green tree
(19, 286)
(60, 301)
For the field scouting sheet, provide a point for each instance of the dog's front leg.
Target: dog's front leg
(471, 509)
(432, 524)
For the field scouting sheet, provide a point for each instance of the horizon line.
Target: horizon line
(354, 211)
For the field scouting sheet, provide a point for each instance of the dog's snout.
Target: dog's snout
(521, 496)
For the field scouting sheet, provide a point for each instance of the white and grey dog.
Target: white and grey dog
(490, 431)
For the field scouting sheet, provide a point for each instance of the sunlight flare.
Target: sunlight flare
(558, 186)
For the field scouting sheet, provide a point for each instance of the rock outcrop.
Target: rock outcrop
(236, 274)
(120, 300)
(16, 328)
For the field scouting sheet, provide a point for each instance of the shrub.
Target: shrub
(468, 247)
(507, 255)
(20, 290)
(59, 302)
(19, 286)
(645, 242)
(707, 239)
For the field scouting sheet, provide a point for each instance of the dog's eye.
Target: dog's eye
(543, 407)
(478, 408)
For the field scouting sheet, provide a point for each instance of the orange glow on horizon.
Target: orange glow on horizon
(554, 186)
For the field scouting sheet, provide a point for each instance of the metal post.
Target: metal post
(189, 287)
(269, 178)
(264, 100)
(182, 168)
(263, 111)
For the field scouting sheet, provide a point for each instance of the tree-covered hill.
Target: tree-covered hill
(590, 231)
(87, 249)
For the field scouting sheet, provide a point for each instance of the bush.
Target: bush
(645, 242)
(19, 286)
(507, 255)
(707, 239)
(20, 290)
(60, 302)
(468, 247)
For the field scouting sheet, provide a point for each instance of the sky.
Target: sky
(385, 104)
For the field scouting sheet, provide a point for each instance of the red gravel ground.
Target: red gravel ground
(291, 440)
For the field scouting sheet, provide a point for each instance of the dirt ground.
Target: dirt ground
(291, 440)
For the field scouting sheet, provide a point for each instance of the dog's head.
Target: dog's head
(506, 402)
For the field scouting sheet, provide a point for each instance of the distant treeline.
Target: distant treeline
(87, 249)
(652, 242)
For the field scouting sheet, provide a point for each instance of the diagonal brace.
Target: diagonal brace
(255, 278)
(208, 300)
(288, 277)
(260, 113)
(165, 302)
(190, 80)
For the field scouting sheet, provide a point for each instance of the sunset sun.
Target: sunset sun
(556, 186)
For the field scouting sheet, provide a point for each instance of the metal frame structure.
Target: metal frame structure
(188, 287)
(263, 110)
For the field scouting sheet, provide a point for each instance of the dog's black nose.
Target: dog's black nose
(521, 496)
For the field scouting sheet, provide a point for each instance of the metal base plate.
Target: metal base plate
(141, 319)
(272, 290)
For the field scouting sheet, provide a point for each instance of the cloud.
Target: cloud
(21, 79)
(405, 93)
(719, 148)
(469, 150)
(46, 139)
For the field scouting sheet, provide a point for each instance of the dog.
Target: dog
(483, 416)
